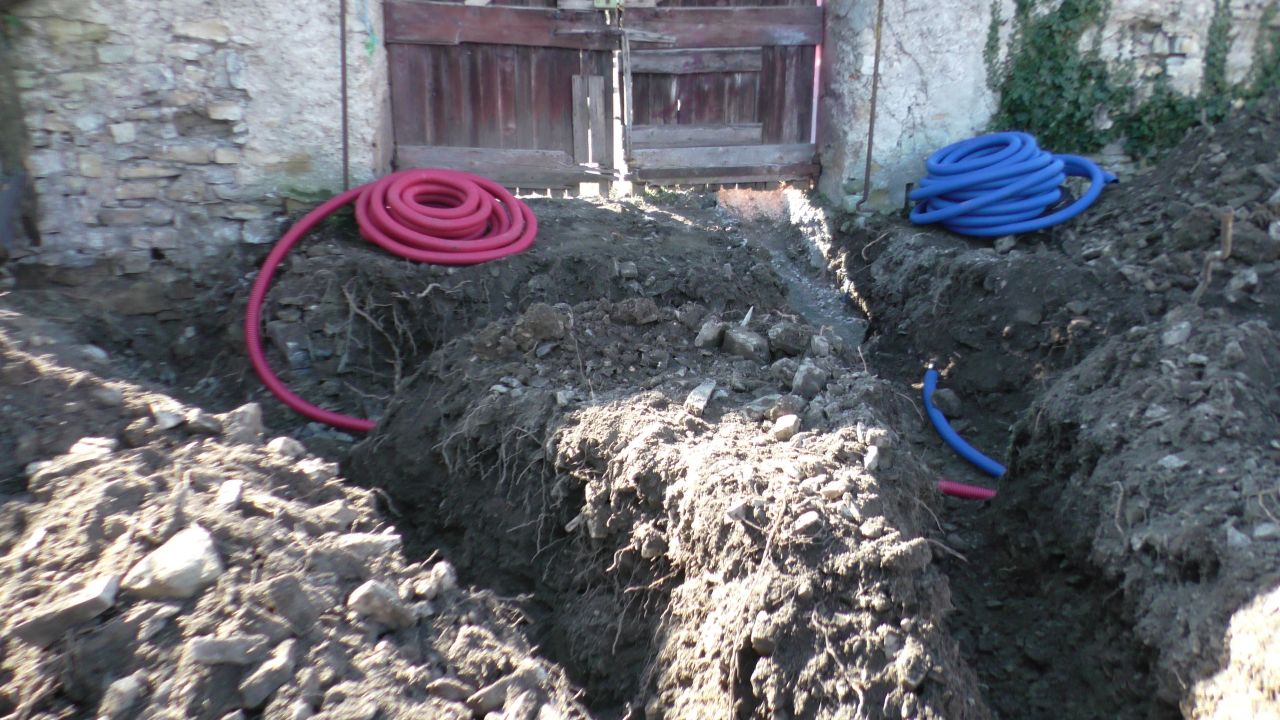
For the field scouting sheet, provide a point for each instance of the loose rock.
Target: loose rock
(764, 639)
(746, 343)
(809, 380)
(381, 604)
(785, 427)
(244, 425)
(368, 546)
(710, 335)
(288, 596)
(274, 672)
(285, 446)
(229, 494)
(450, 689)
(440, 580)
(181, 567)
(696, 403)
(637, 311)
(948, 402)
(1177, 334)
(120, 697)
(234, 650)
(789, 338)
(807, 523)
(199, 421)
(51, 622)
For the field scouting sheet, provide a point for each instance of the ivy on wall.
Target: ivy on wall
(1051, 87)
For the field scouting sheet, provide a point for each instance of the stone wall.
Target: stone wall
(934, 86)
(176, 129)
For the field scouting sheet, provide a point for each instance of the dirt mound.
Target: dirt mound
(1155, 459)
(174, 566)
(637, 469)
(1126, 364)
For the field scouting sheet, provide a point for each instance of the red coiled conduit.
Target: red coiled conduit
(432, 216)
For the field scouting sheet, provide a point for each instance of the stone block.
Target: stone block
(164, 238)
(190, 52)
(148, 171)
(137, 190)
(90, 165)
(261, 232)
(125, 132)
(244, 211)
(113, 54)
(229, 111)
(154, 77)
(190, 154)
(45, 163)
(54, 619)
(121, 216)
(188, 188)
(89, 122)
(226, 156)
(212, 30)
(235, 70)
(133, 263)
(158, 215)
(68, 31)
(71, 82)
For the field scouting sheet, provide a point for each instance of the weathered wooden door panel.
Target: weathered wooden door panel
(732, 89)
(491, 90)
(523, 91)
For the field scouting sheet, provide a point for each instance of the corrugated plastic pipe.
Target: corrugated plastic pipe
(962, 448)
(1001, 184)
(431, 216)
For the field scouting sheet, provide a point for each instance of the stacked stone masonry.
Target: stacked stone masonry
(174, 130)
(933, 76)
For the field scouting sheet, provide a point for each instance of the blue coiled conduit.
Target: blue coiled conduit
(1001, 184)
(949, 436)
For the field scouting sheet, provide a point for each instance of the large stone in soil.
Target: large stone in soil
(183, 566)
(746, 343)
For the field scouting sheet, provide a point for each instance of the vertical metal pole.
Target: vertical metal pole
(871, 130)
(342, 55)
(817, 84)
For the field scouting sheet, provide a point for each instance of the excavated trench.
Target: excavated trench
(496, 493)
(1040, 628)
(544, 448)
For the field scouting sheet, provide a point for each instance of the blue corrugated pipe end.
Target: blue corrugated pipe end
(1001, 184)
(950, 437)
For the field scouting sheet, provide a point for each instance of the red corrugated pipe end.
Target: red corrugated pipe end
(965, 492)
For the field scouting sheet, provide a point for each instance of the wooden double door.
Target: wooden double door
(542, 96)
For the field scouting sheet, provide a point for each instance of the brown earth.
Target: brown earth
(669, 477)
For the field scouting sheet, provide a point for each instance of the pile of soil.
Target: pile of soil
(174, 565)
(1135, 395)
(710, 512)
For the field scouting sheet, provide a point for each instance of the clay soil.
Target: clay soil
(671, 463)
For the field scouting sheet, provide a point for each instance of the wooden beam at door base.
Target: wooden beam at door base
(727, 175)
(509, 167)
(712, 157)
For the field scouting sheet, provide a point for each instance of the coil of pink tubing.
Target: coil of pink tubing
(443, 217)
